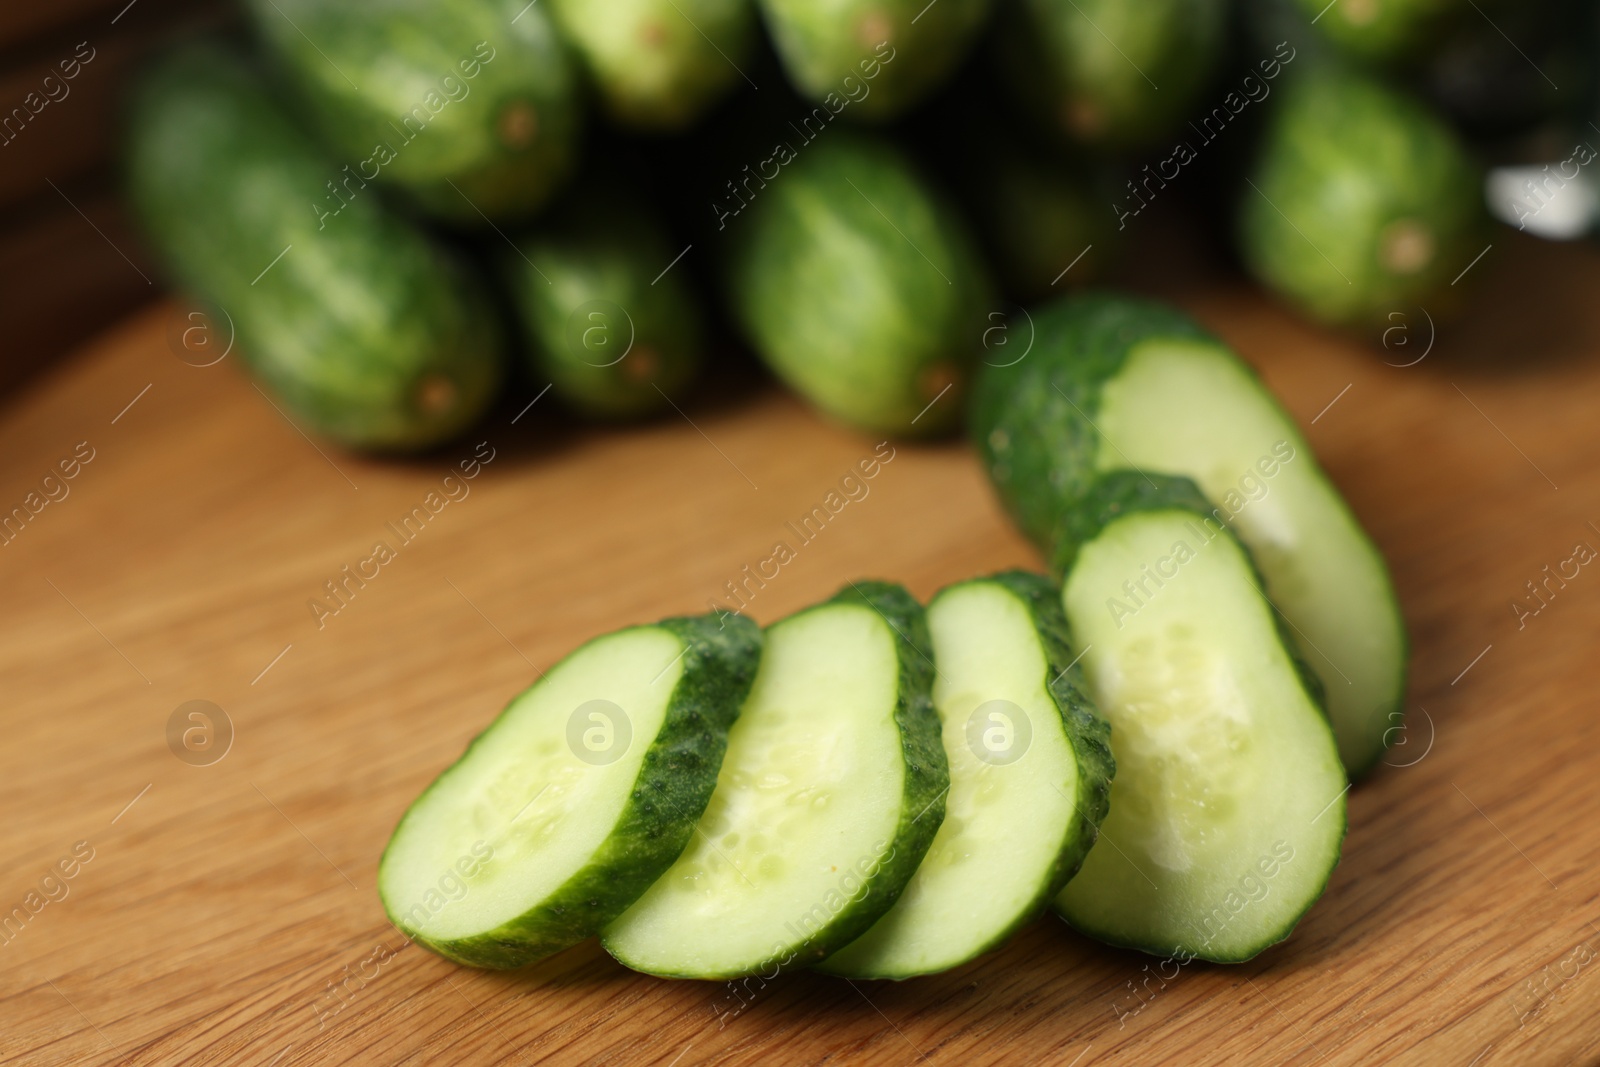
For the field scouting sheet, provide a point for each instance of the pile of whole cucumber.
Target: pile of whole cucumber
(388, 197)
(393, 201)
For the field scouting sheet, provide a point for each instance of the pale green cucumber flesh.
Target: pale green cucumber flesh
(1014, 828)
(1189, 407)
(575, 799)
(808, 812)
(1227, 810)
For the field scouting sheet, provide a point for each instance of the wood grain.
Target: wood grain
(219, 910)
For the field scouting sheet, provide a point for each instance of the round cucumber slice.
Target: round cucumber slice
(1030, 772)
(832, 790)
(575, 799)
(1227, 811)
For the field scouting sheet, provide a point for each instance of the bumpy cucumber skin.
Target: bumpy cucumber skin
(499, 142)
(223, 182)
(1383, 30)
(601, 251)
(669, 796)
(1116, 495)
(1032, 420)
(824, 44)
(1365, 202)
(1063, 66)
(660, 64)
(829, 280)
(1033, 425)
(927, 772)
(1088, 735)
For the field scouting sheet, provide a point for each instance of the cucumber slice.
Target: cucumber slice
(1116, 383)
(575, 799)
(833, 788)
(1228, 807)
(1030, 772)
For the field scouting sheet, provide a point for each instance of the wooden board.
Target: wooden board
(224, 903)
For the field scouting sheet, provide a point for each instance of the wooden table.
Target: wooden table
(228, 914)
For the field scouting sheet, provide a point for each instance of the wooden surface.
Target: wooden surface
(223, 902)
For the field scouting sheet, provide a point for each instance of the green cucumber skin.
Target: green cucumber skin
(672, 791)
(927, 772)
(1074, 79)
(602, 250)
(1088, 734)
(1119, 494)
(223, 182)
(828, 280)
(1346, 168)
(823, 47)
(479, 150)
(1390, 30)
(700, 44)
(1039, 449)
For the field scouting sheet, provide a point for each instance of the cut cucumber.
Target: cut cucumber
(833, 789)
(1116, 383)
(1030, 772)
(1228, 809)
(575, 799)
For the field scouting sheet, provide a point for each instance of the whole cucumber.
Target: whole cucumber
(878, 57)
(472, 108)
(659, 64)
(367, 331)
(605, 318)
(859, 287)
(1114, 75)
(1361, 203)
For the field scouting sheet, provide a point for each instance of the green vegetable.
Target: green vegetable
(367, 331)
(832, 790)
(1116, 383)
(894, 51)
(859, 287)
(602, 321)
(1363, 203)
(582, 792)
(1228, 810)
(1384, 30)
(1111, 74)
(1030, 773)
(660, 64)
(472, 108)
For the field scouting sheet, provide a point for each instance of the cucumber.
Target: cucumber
(473, 109)
(832, 790)
(1385, 31)
(573, 801)
(1030, 774)
(1114, 75)
(871, 58)
(659, 64)
(860, 288)
(1364, 203)
(1228, 808)
(366, 331)
(1114, 382)
(614, 334)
